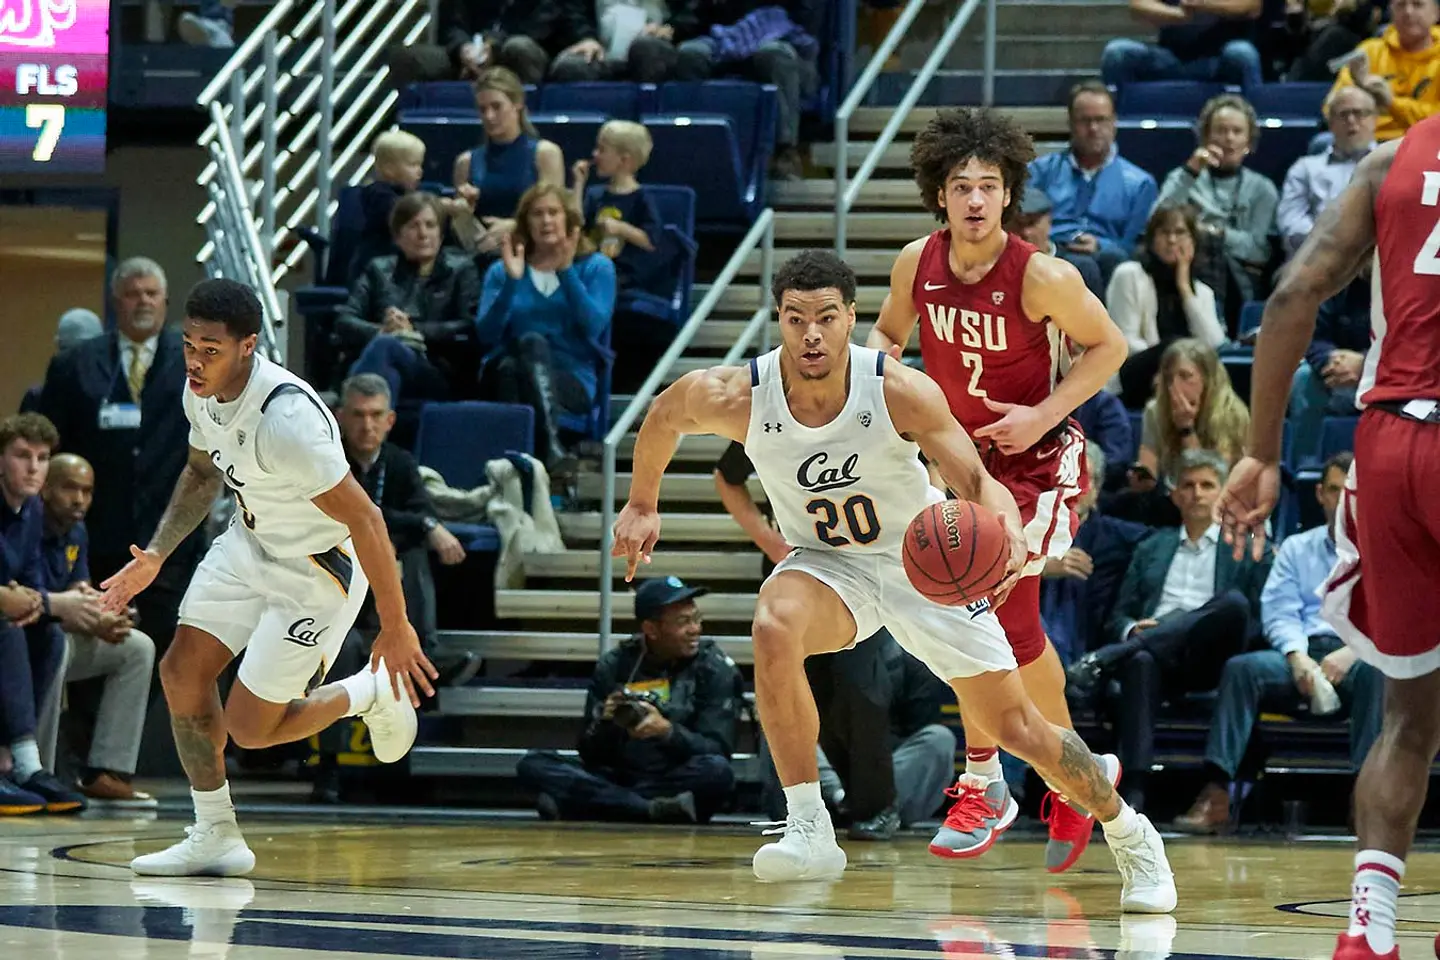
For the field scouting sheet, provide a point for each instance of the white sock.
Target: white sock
(27, 759)
(803, 800)
(1372, 898)
(1126, 822)
(213, 806)
(988, 768)
(361, 689)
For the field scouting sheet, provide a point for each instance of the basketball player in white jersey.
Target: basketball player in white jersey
(832, 430)
(280, 582)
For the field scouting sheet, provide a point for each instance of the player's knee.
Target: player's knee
(1019, 731)
(777, 632)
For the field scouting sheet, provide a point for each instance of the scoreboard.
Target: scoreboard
(54, 71)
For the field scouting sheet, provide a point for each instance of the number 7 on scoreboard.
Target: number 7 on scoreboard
(49, 119)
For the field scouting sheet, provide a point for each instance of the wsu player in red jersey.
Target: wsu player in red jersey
(995, 316)
(1381, 597)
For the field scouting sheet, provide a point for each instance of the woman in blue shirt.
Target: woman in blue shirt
(491, 177)
(545, 308)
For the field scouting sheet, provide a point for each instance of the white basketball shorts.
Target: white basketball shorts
(289, 616)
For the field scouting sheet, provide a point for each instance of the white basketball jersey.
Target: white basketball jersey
(272, 503)
(853, 484)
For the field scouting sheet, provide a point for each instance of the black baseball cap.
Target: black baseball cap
(652, 596)
(1034, 202)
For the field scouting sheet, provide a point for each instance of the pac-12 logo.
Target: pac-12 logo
(816, 477)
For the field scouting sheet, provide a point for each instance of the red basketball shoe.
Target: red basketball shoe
(983, 811)
(1070, 826)
(1358, 948)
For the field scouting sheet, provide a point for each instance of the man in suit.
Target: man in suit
(116, 401)
(1186, 606)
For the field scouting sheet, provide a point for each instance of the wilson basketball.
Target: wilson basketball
(956, 552)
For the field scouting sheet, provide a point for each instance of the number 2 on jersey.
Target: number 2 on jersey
(976, 364)
(861, 522)
(1427, 261)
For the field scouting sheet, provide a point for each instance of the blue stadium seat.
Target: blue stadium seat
(1288, 101)
(1282, 142)
(1137, 423)
(1156, 146)
(448, 98)
(446, 137)
(676, 206)
(1337, 434)
(317, 303)
(573, 133)
(457, 439)
(701, 153)
(1164, 99)
(1250, 315)
(616, 100)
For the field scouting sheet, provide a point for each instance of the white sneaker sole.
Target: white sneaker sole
(781, 870)
(400, 718)
(234, 863)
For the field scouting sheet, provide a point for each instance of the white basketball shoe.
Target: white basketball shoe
(806, 851)
(390, 719)
(208, 850)
(1149, 883)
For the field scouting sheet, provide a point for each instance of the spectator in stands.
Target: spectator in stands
(113, 400)
(1194, 408)
(399, 164)
(211, 25)
(1318, 31)
(1316, 179)
(545, 310)
(1327, 379)
(1105, 421)
(1235, 206)
(76, 326)
(660, 719)
(31, 644)
(1101, 199)
(623, 222)
(1400, 68)
(762, 41)
(1156, 299)
(98, 644)
(626, 40)
(1206, 40)
(1185, 607)
(1302, 646)
(1033, 222)
(1079, 589)
(409, 314)
(476, 35)
(492, 177)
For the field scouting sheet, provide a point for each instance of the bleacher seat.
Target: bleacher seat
(1282, 142)
(317, 303)
(1288, 101)
(446, 137)
(574, 133)
(458, 439)
(1164, 100)
(1337, 434)
(1155, 146)
(449, 98)
(613, 99)
(1251, 312)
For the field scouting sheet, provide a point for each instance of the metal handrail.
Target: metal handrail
(762, 233)
(267, 26)
(847, 191)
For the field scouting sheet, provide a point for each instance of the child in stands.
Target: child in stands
(399, 160)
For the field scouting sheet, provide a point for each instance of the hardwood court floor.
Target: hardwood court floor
(517, 889)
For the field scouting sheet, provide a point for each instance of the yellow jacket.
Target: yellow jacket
(1414, 80)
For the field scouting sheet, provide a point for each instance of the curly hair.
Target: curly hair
(814, 270)
(954, 137)
(230, 302)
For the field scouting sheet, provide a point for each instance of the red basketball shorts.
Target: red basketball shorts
(1382, 597)
(1045, 480)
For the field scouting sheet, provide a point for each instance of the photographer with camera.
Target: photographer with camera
(660, 720)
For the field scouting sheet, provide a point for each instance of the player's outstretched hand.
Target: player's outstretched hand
(399, 647)
(636, 531)
(132, 578)
(1018, 429)
(1245, 503)
(1014, 567)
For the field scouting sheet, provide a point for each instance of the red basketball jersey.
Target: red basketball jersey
(975, 338)
(1404, 360)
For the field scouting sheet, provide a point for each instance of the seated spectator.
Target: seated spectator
(1303, 645)
(624, 40)
(1105, 422)
(1327, 379)
(545, 310)
(399, 165)
(212, 24)
(1156, 300)
(1101, 199)
(1194, 408)
(1400, 68)
(1235, 206)
(623, 222)
(660, 719)
(1319, 31)
(76, 326)
(1186, 606)
(98, 644)
(1033, 222)
(1079, 589)
(32, 646)
(491, 178)
(409, 314)
(761, 41)
(1314, 180)
(476, 35)
(1206, 40)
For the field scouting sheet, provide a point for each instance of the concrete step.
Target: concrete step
(585, 604)
(894, 157)
(571, 647)
(676, 528)
(719, 334)
(675, 490)
(1022, 52)
(1014, 90)
(438, 761)
(693, 449)
(1044, 121)
(899, 193)
(697, 565)
(872, 265)
(819, 228)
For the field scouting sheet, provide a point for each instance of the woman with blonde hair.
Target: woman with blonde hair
(544, 314)
(490, 178)
(1194, 407)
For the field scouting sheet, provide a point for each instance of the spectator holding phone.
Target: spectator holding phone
(1400, 68)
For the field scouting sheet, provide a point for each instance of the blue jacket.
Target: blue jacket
(1341, 323)
(1112, 206)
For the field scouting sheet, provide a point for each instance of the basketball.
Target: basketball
(956, 552)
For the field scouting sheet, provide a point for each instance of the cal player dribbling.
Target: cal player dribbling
(281, 582)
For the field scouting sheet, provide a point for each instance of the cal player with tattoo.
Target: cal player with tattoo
(996, 319)
(282, 581)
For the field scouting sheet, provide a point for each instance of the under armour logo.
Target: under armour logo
(864, 418)
(998, 297)
(776, 427)
(300, 632)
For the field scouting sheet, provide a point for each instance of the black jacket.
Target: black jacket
(703, 707)
(393, 482)
(135, 470)
(554, 24)
(441, 306)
